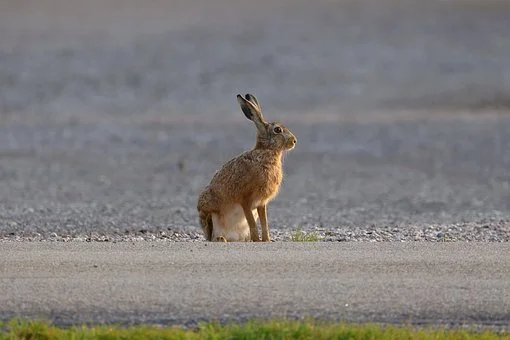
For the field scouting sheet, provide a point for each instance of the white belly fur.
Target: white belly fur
(232, 224)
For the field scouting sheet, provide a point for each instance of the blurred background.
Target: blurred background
(114, 114)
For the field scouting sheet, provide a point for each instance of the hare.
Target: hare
(239, 192)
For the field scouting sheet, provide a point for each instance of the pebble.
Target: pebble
(481, 231)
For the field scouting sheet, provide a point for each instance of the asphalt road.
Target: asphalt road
(182, 283)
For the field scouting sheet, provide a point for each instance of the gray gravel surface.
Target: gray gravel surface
(456, 284)
(113, 116)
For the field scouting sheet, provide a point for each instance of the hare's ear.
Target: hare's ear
(253, 100)
(251, 111)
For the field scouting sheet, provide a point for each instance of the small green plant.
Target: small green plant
(255, 329)
(302, 236)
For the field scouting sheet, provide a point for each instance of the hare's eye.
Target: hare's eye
(277, 129)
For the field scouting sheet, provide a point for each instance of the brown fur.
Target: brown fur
(251, 179)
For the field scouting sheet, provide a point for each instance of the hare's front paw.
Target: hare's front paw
(221, 239)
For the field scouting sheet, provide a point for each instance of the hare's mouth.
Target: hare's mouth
(290, 145)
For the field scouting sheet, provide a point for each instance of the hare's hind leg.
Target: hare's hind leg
(207, 225)
(221, 239)
(231, 224)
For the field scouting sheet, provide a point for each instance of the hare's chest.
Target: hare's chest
(273, 178)
(270, 182)
(271, 174)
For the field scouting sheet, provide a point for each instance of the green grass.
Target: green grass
(250, 330)
(302, 236)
